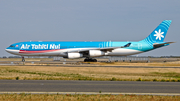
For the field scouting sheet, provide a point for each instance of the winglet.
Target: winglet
(127, 45)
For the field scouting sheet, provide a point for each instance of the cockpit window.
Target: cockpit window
(11, 46)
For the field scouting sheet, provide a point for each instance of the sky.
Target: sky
(88, 20)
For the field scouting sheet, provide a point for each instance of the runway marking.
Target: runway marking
(94, 93)
(93, 84)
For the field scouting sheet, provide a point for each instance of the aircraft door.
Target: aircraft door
(139, 46)
(100, 45)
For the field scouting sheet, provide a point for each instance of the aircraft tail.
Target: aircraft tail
(159, 34)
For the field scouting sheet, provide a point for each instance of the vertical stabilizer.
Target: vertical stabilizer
(159, 34)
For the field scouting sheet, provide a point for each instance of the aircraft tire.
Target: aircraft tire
(95, 60)
(90, 60)
(85, 60)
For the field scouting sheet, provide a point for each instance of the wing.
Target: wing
(156, 45)
(112, 48)
(102, 49)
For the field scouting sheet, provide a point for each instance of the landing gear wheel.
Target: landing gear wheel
(90, 60)
(95, 60)
(85, 60)
(23, 60)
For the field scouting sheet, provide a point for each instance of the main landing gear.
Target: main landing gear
(90, 60)
(23, 60)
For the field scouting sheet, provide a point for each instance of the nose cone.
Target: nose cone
(12, 51)
(8, 50)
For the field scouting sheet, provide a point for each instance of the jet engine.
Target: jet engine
(74, 55)
(95, 53)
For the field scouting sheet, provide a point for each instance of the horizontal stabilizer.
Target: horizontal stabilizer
(156, 45)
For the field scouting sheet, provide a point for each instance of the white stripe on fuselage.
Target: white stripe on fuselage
(116, 52)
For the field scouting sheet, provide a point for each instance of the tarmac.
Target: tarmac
(73, 64)
(89, 87)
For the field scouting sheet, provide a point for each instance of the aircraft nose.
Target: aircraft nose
(12, 51)
(6, 50)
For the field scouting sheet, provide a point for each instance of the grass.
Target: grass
(89, 73)
(169, 74)
(156, 64)
(68, 97)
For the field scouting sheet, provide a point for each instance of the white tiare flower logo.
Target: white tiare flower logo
(159, 34)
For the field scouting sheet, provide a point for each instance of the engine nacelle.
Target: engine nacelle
(74, 55)
(95, 53)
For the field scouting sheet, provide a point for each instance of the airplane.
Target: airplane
(90, 50)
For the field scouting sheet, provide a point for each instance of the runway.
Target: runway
(89, 86)
(89, 65)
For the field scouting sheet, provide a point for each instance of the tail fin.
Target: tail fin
(159, 33)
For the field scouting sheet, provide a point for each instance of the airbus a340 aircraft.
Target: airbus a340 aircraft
(89, 50)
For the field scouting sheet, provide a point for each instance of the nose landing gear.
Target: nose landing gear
(90, 60)
(23, 60)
